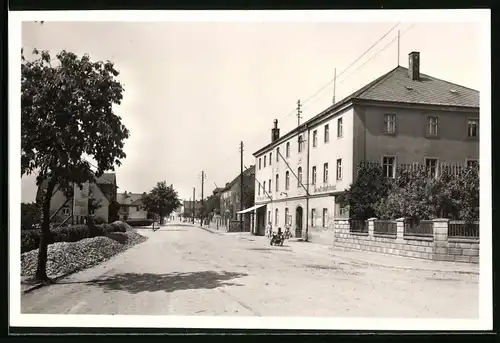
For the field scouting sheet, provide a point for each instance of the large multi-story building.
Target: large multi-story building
(402, 117)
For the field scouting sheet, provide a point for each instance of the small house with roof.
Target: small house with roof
(131, 206)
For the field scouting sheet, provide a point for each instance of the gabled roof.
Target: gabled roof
(105, 179)
(129, 198)
(396, 86)
(247, 172)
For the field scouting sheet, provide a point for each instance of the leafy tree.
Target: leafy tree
(30, 215)
(367, 189)
(417, 195)
(162, 200)
(67, 113)
(113, 209)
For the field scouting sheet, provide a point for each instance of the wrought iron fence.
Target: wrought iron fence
(461, 229)
(422, 228)
(385, 227)
(358, 226)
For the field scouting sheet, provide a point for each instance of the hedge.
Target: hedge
(139, 222)
(30, 239)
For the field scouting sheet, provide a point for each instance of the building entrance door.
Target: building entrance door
(298, 222)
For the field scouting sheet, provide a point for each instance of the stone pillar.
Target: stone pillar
(440, 247)
(371, 226)
(400, 222)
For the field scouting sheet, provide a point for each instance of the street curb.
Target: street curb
(40, 284)
(209, 230)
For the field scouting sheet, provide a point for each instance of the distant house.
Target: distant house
(103, 191)
(188, 208)
(131, 206)
(230, 195)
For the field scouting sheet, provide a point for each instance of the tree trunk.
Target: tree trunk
(45, 237)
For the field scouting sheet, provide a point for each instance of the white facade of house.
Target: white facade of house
(288, 197)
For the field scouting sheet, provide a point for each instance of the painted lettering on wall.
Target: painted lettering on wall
(326, 188)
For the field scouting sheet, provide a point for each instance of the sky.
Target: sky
(194, 90)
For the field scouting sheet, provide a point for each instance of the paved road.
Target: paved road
(184, 270)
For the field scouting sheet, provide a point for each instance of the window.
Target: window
(265, 157)
(315, 138)
(277, 182)
(339, 127)
(472, 163)
(270, 188)
(269, 216)
(259, 189)
(270, 158)
(287, 180)
(313, 217)
(287, 215)
(260, 166)
(431, 165)
(339, 169)
(301, 144)
(91, 212)
(288, 149)
(327, 133)
(65, 210)
(264, 187)
(389, 123)
(473, 128)
(325, 173)
(325, 217)
(276, 217)
(389, 166)
(313, 181)
(432, 126)
(277, 154)
(137, 208)
(299, 176)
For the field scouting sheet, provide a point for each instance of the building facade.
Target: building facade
(131, 206)
(402, 117)
(74, 209)
(230, 202)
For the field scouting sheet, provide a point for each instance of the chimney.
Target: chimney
(414, 65)
(275, 132)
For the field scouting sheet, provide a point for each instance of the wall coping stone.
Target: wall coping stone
(445, 220)
(365, 234)
(401, 219)
(418, 238)
(374, 218)
(385, 235)
(463, 240)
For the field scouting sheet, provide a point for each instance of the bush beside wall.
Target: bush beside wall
(139, 222)
(30, 239)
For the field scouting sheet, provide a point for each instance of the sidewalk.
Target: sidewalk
(364, 257)
(386, 260)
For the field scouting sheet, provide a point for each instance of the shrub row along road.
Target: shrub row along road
(184, 270)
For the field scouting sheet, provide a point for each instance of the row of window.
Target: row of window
(301, 143)
(432, 130)
(432, 126)
(432, 165)
(66, 211)
(299, 177)
(288, 217)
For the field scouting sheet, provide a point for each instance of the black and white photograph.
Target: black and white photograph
(319, 170)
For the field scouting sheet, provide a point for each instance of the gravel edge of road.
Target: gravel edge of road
(53, 280)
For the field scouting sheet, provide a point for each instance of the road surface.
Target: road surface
(185, 270)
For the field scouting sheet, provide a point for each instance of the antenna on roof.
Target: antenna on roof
(399, 36)
(334, 84)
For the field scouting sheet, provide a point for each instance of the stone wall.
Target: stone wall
(437, 247)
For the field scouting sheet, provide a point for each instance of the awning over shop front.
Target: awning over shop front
(251, 208)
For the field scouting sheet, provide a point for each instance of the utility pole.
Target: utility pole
(241, 186)
(398, 47)
(202, 184)
(299, 112)
(194, 202)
